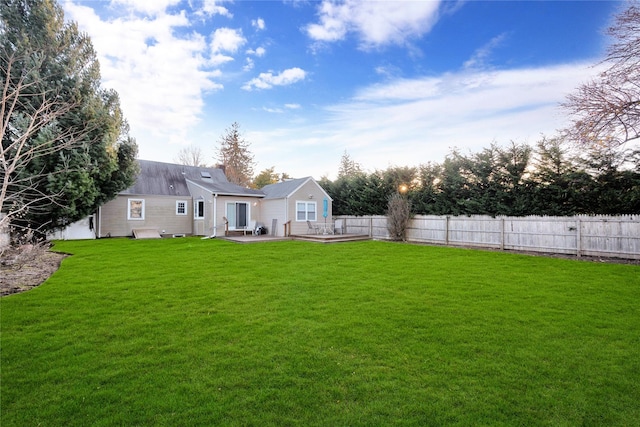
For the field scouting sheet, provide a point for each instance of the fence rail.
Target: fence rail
(603, 236)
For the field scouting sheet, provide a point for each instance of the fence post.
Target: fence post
(578, 237)
(446, 230)
(371, 227)
(502, 234)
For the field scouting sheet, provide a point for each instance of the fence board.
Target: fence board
(605, 236)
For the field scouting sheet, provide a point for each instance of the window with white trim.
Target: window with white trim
(135, 209)
(306, 211)
(181, 207)
(198, 209)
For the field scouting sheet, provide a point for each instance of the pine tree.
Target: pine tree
(65, 144)
(235, 157)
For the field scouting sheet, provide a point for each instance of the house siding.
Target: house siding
(159, 214)
(160, 185)
(270, 210)
(221, 209)
(302, 194)
(201, 226)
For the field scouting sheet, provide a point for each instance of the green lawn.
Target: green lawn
(207, 332)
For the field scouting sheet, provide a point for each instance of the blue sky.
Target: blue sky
(394, 83)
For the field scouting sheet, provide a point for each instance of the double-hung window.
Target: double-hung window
(306, 211)
(135, 209)
(181, 207)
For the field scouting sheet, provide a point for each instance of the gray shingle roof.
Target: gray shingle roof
(280, 190)
(168, 179)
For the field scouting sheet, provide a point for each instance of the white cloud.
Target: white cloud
(293, 106)
(219, 59)
(258, 24)
(161, 76)
(268, 80)
(249, 64)
(376, 23)
(211, 7)
(408, 122)
(227, 40)
(257, 52)
(150, 7)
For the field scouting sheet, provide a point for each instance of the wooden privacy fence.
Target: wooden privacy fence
(603, 236)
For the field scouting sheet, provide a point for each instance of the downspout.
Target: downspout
(215, 210)
(286, 212)
(99, 227)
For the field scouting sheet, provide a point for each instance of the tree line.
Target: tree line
(549, 178)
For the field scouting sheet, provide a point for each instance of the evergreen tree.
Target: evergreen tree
(266, 177)
(348, 167)
(235, 157)
(65, 145)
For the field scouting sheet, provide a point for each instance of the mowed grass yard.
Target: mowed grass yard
(188, 332)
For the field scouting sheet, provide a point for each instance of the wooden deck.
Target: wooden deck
(320, 238)
(330, 238)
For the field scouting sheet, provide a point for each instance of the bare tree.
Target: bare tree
(398, 216)
(191, 156)
(30, 132)
(606, 111)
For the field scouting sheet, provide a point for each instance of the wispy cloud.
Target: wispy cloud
(413, 121)
(150, 7)
(374, 23)
(269, 80)
(481, 57)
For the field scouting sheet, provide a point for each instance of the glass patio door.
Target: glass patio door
(237, 215)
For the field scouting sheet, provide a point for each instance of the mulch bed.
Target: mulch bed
(26, 267)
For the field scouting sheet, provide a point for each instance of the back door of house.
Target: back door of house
(237, 215)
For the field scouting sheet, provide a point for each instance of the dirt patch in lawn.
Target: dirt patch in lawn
(26, 267)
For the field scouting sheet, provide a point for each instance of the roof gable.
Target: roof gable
(283, 189)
